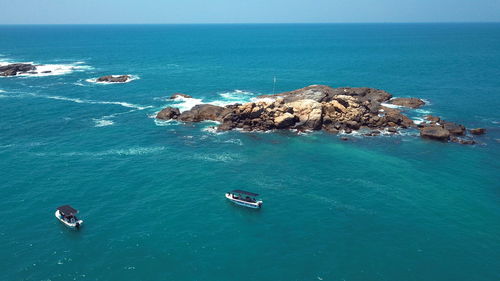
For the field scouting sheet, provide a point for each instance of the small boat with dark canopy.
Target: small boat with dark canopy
(244, 198)
(67, 215)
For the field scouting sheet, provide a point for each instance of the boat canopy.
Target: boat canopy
(245, 192)
(67, 210)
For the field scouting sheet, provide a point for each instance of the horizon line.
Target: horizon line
(261, 23)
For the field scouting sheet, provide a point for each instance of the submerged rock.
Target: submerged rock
(16, 68)
(177, 95)
(114, 78)
(477, 131)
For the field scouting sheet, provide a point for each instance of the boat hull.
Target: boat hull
(68, 224)
(252, 205)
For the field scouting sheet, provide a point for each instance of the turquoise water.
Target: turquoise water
(152, 193)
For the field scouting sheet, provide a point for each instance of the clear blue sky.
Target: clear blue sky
(246, 11)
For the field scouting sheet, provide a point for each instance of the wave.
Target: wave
(78, 100)
(163, 123)
(228, 98)
(234, 97)
(214, 157)
(94, 80)
(118, 152)
(423, 111)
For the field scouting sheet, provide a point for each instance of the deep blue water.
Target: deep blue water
(152, 193)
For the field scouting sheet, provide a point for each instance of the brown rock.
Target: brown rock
(202, 112)
(454, 129)
(435, 132)
(168, 113)
(114, 78)
(309, 113)
(433, 119)
(407, 102)
(286, 120)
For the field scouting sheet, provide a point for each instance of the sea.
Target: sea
(151, 193)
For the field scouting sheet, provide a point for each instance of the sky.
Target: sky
(245, 11)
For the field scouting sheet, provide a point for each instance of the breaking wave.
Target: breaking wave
(234, 97)
(184, 104)
(228, 98)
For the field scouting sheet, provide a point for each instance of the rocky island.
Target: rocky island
(319, 107)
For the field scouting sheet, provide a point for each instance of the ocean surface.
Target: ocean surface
(151, 193)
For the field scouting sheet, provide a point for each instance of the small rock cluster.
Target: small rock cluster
(114, 78)
(438, 129)
(16, 68)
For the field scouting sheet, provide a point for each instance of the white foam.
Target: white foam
(266, 100)
(418, 120)
(2, 91)
(120, 152)
(184, 104)
(234, 141)
(94, 80)
(423, 111)
(390, 105)
(211, 129)
(233, 97)
(103, 122)
(223, 157)
(163, 123)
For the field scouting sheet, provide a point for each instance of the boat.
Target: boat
(244, 198)
(67, 215)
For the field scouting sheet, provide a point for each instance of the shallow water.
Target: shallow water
(152, 193)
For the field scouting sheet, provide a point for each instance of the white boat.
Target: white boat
(244, 198)
(67, 215)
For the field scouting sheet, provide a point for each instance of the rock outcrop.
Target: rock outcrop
(202, 112)
(114, 78)
(320, 107)
(407, 102)
(168, 113)
(16, 68)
